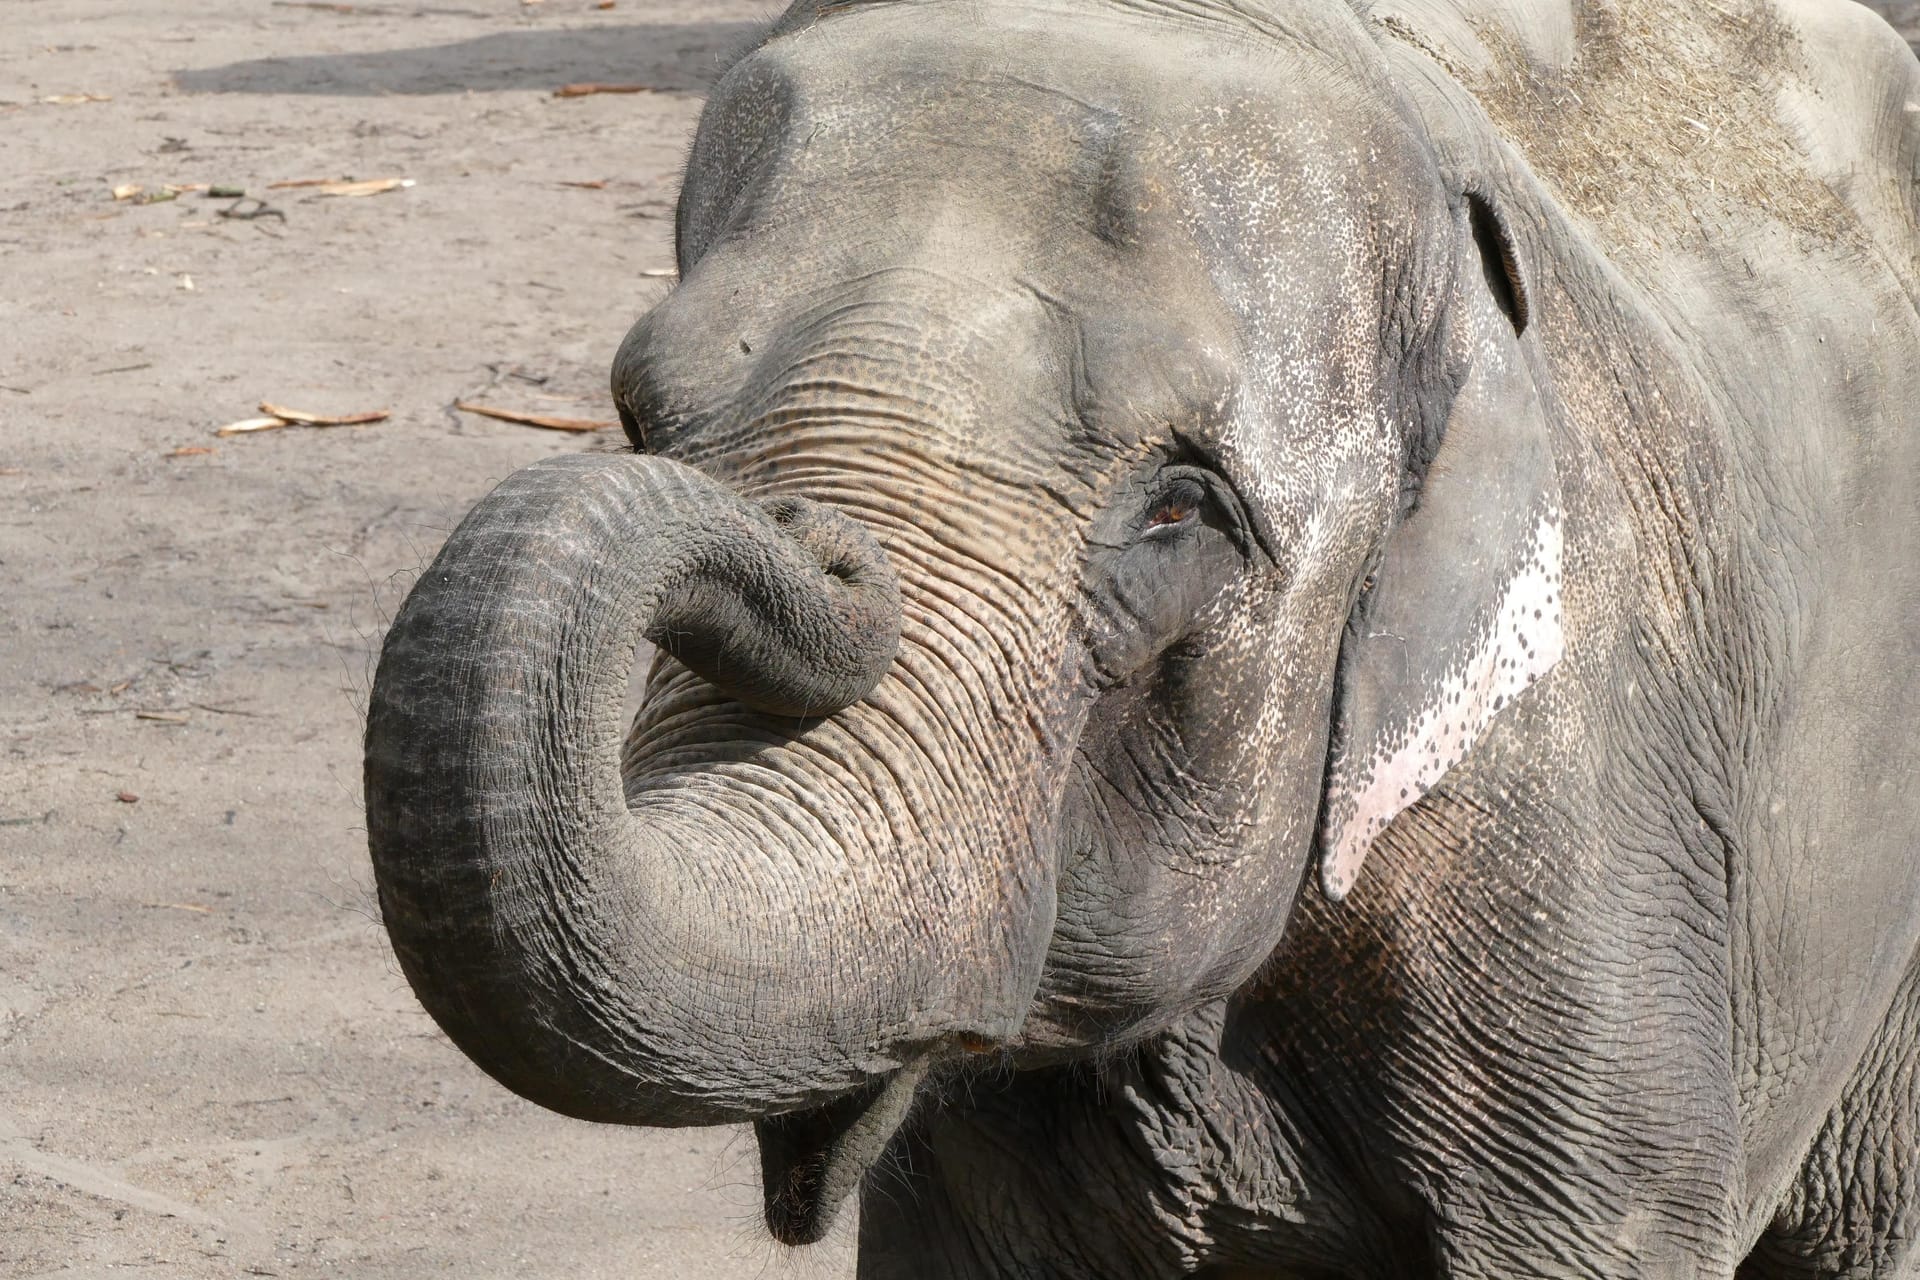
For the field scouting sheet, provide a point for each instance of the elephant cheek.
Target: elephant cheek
(1187, 827)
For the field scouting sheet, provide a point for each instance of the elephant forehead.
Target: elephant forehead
(1202, 251)
(1099, 116)
(1330, 248)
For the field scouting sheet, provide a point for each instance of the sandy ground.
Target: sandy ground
(209, 1063)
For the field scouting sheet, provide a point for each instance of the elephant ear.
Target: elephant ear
(1463, 612)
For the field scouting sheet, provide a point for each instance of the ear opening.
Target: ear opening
(1499, 261)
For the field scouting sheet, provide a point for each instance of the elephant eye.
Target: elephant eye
(1176, 511)
(1177, 504)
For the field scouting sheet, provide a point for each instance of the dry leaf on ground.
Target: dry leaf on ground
(589, 87)
(598, 184)
(304, 182)
(75, 99)
(306, 419)
(658, 271)
(547, 420)
(252, 424)
(140, 195)
(369, 187)
(281, 416)
(190, 451)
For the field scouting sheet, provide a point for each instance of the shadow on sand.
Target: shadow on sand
(683, 57)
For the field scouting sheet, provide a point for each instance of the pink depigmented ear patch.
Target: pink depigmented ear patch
(1521, 644)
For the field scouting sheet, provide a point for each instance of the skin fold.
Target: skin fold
(1286, 650)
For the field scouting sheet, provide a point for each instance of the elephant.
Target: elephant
(1285, 639)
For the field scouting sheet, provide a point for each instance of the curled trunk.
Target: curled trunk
(658, 966)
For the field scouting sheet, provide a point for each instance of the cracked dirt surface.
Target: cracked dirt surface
(209, 1063)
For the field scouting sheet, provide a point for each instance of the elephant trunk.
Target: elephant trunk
(658, 965)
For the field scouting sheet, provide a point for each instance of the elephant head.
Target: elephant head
(1087, 472)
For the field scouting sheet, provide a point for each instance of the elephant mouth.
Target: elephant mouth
(811, 1160)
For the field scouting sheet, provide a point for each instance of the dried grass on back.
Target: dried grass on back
(1666, 124)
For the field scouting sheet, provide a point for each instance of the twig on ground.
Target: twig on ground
(548, 421)
(587, 88)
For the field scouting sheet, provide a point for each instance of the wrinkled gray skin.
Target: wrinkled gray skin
(1292, 650)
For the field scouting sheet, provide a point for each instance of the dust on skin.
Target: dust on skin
(1664, 124)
